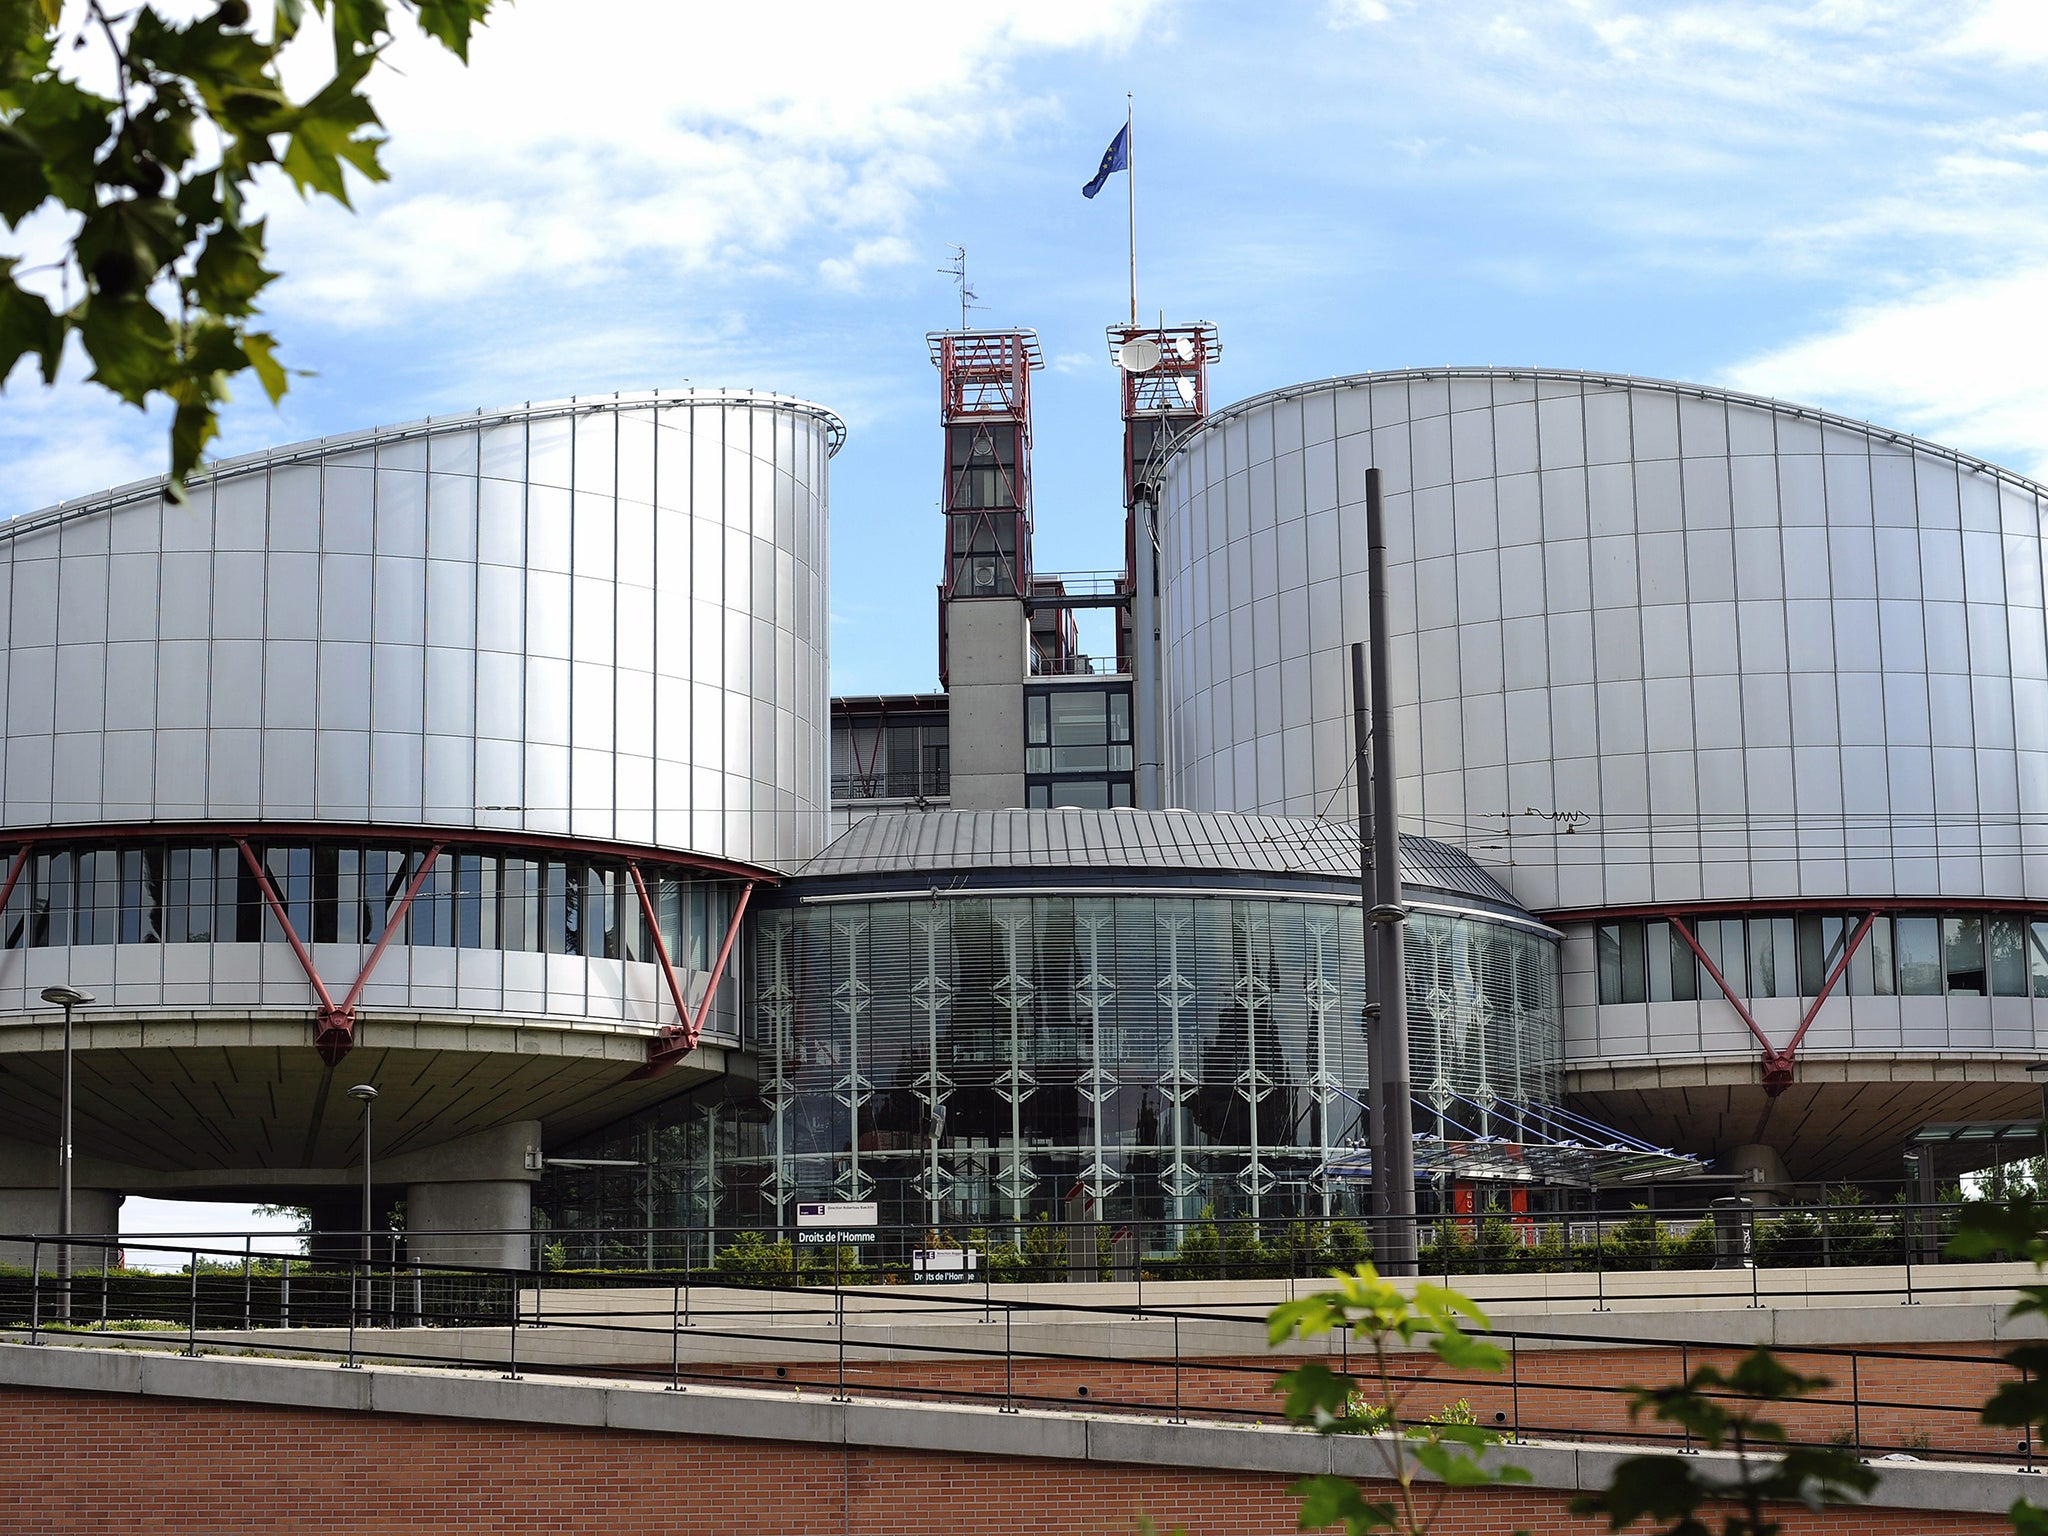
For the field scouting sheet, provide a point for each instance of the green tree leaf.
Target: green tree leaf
(27, 326)
(170, 270)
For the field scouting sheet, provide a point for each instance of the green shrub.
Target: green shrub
(1695, 1250)
(1553, 1253)
(1634, 1244)
(1342, 1245)
(1858, 1236)
(1788, 1242)
(1449, 1251)
(1044, 1250)
(1201, 1249)
(750, 1256)
(1244, 1255)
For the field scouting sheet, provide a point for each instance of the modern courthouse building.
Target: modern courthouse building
(492, 761)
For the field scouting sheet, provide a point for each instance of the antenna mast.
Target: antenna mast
(957, 270)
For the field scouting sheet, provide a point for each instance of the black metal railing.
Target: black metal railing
(893, 784)
(1726, 1235)
(1174, 1361)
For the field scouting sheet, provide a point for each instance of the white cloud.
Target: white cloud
(845, 272)
(1958, 363)
(73, 439)
(695, 141)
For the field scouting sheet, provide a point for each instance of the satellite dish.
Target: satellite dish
(1138, 355)
(1187, 391)
(1186, 348)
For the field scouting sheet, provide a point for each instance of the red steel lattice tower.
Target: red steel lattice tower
(985, 410)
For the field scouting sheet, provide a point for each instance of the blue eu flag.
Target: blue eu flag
(1115, 158)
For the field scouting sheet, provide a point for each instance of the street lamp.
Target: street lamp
(368, 1095)
(66, 998)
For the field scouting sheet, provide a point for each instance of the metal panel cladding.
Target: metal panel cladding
(603, 619)
(1650, 642)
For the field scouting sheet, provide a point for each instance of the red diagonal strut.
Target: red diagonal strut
(419, 878)
(7, 891)
(334, 1029)
(1684, 931)
(668, 970)
(679, 1039)
(329, 1023)
(1778, 1063)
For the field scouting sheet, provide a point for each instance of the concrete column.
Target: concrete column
(1146, 725)
(485, 1221)
(471, 1201)
(94, 1213)
(988, 657)
(1761, 1169)
(28, 1203)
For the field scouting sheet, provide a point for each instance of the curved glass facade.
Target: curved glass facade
(970, 1060)
(344, 892)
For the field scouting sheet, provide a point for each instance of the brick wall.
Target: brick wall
(1894, 1401)
(81, 1461)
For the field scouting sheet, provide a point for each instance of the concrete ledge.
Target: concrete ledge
(735, 1414)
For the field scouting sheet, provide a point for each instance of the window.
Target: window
(1871, 967)
(1918, 949)
(889, 754)
(1622, 976)
(1962, 951)
(1773, 968)
(1077, 746)
(2007, 941)
(1958, 954)
(1674, 969)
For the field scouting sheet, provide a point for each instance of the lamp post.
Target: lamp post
(368, 1095)
(66, 998)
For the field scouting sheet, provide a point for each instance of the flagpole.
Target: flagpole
(1131, 191)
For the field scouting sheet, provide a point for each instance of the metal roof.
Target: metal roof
(1903, 440)
(320, 448)
(905, 842)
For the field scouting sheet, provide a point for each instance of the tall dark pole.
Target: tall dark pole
(1375, 1101)
(1386, 915)
(66, 998)
(368, 1095)
(64, 1178)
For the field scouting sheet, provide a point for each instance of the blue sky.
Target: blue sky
(1835, 202)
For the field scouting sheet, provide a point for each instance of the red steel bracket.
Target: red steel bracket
(333, 1031)
(7, 891)
(679, 1039)
(668, 970)
(1684, 931)
(334, 1028)
(1778, 1064)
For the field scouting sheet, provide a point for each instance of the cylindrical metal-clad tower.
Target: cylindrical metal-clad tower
(1751, 700)
(467, 739)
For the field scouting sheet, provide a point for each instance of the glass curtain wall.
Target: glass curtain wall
(1905, 954)
(347, 893)
(978, 1061)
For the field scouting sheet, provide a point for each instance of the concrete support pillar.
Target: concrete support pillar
(94, 1213)
(1762, 1171)
(483, 1222)
(28, 1203)
(471, 1201)
(988, 657)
